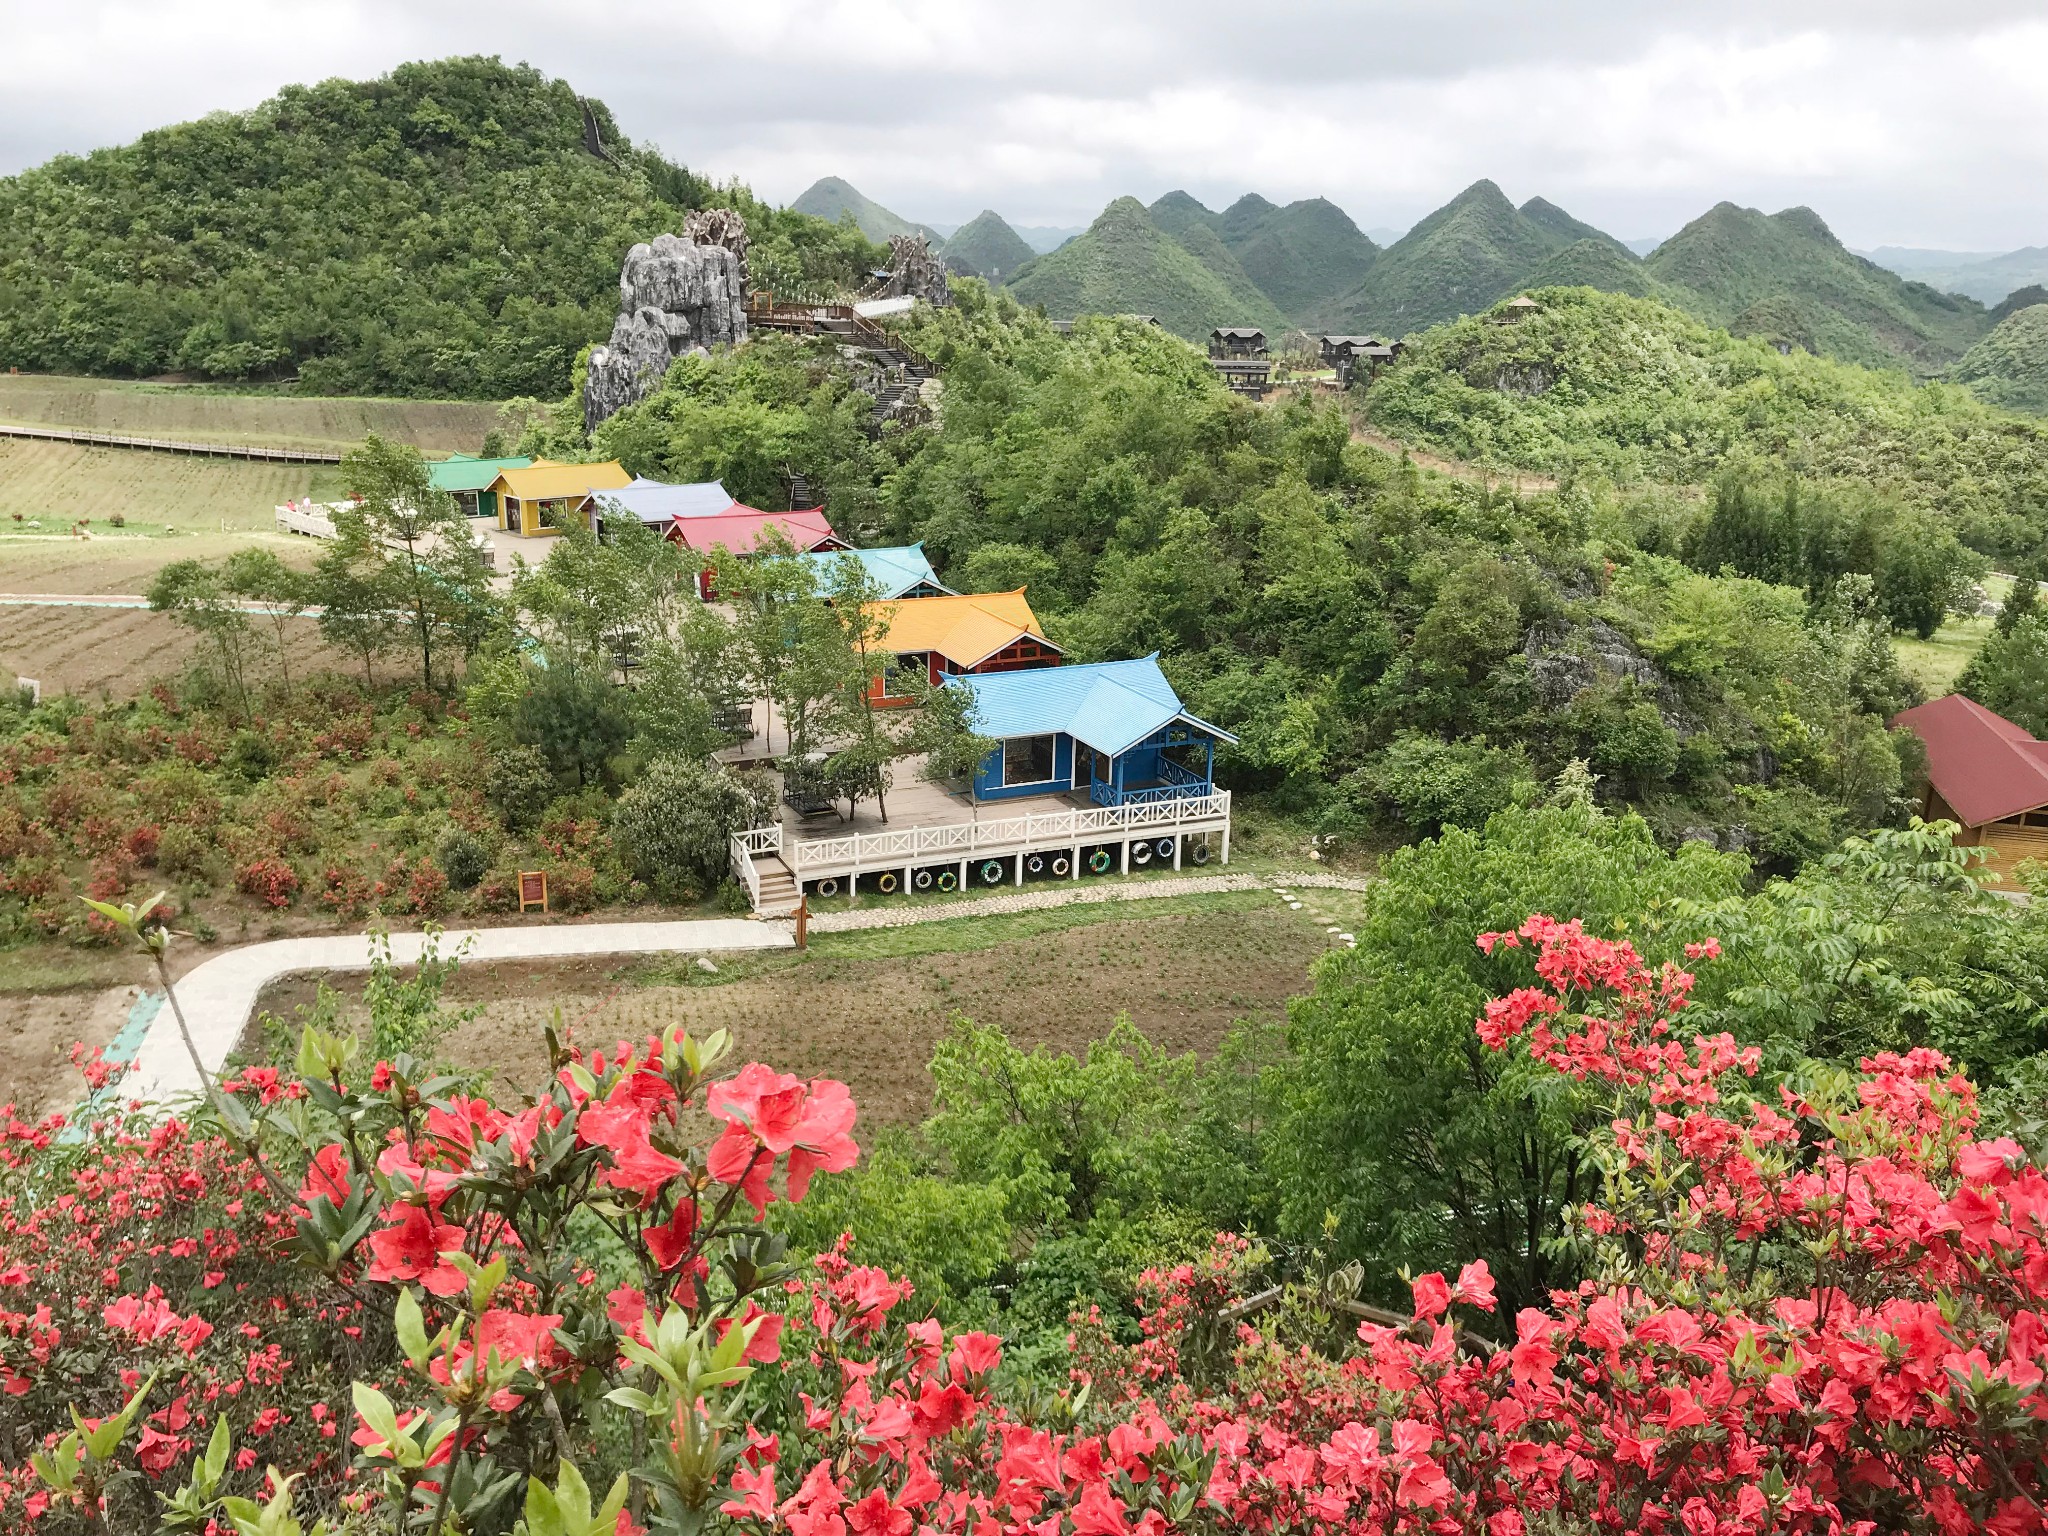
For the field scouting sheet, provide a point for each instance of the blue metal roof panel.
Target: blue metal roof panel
(1109, 705)
(896, 568)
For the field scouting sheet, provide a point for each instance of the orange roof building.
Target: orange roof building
(956, 635)
(1986, 774)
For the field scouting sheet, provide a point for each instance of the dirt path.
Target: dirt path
(1520, 481)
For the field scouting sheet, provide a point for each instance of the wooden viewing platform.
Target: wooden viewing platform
(173, 445)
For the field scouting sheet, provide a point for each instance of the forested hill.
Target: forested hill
(448, 230)
(1637, 390)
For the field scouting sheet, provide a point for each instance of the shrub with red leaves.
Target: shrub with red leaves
(271, 881)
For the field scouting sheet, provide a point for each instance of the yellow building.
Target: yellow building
(539, 500)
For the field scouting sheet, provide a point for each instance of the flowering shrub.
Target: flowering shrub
(1816, 1308)
(271, 881)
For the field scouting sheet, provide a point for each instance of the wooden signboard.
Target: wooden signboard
(533, 889)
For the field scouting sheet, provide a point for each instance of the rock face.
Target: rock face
(915, 272)
(675, 296)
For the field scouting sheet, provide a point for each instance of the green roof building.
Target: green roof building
(469, 479)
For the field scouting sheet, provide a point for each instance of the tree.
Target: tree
(285, 594)
(197, 595)
(676, 824)
(432, 567)
(1417, 1143)
(942, 731)
(864, 762)
(577, 721)
(357, 605)
(2009, 674)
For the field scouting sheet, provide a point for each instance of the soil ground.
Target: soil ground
(870, 1008)
(201, 413)
(36, 1075)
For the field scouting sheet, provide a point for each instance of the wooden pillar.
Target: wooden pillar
(1020, 868)
(1226, 841)
(963, 874)
(1176, 849)
(908, 871)
(1074, 864)
(1125, 846)
(853, 885)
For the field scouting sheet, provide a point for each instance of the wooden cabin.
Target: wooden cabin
(544, 497)
(656, 503)
(469, 481)
(1986, 774)
(1114, 731)
(1237, 342)
(959, 635)
(741, 530)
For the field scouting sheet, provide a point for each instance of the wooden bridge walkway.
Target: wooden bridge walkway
(173, 445)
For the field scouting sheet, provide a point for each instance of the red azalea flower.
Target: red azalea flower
(410, 1248)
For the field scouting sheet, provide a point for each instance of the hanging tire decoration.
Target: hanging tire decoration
(991, 871)
(1060, 865)
(922, 879)
(1035, 864)
(828, 887)
(885, 883)
(1201, 853)
(1098, 862)
(1163, 848)
(947, 880)
(1141, 853)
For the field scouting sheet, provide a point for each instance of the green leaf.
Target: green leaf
(377, 1411)
(543, 1518)
(630, 1397)
(410, 1327)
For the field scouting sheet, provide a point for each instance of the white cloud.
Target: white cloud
(1900, 122)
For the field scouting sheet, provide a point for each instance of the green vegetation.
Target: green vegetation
(986, 247)
(1634, 390)
(836, 201)
(1329, 605)
(1785, 277)
(441, 231)
(1474, 250)
(1298, 256)
(2010, 366)
(1126, 264)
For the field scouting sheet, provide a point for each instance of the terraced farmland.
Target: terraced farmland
(58, 484)
(206, 415)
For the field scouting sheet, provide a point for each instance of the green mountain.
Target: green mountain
(1301, 255)
(1568, 230)
(1297, 256)
(1476, 249)
(2019, 299)
(1595, 263)
(987, 247)
(1785, 276)
(2009, 367)
(830, 199)
(453, 229)
(1984, 277)
(1127, 264)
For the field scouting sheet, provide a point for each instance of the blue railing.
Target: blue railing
(1154, 794)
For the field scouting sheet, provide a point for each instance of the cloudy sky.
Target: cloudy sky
(1902, 123)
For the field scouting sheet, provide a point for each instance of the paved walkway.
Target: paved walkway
(219, 994)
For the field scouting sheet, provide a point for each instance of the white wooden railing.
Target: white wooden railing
(965, 839)
(308, 517)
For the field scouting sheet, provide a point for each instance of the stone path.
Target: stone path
(219, 994)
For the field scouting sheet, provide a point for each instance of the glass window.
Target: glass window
(1027, 760)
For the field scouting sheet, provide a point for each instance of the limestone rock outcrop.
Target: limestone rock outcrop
(915, 271)
(675, 296)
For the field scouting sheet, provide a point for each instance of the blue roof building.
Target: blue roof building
(901, 570)
(1113, 730)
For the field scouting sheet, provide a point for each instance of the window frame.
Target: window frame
(1028, 743)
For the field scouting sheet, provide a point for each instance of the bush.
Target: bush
(271, 881)
(465, 858)
(518, 784)
(250, 756)
(674, 827)
(572, 888)
(1426, 784)
(182, 850)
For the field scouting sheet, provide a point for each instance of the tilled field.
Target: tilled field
(1183, 978)
(57, 484)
